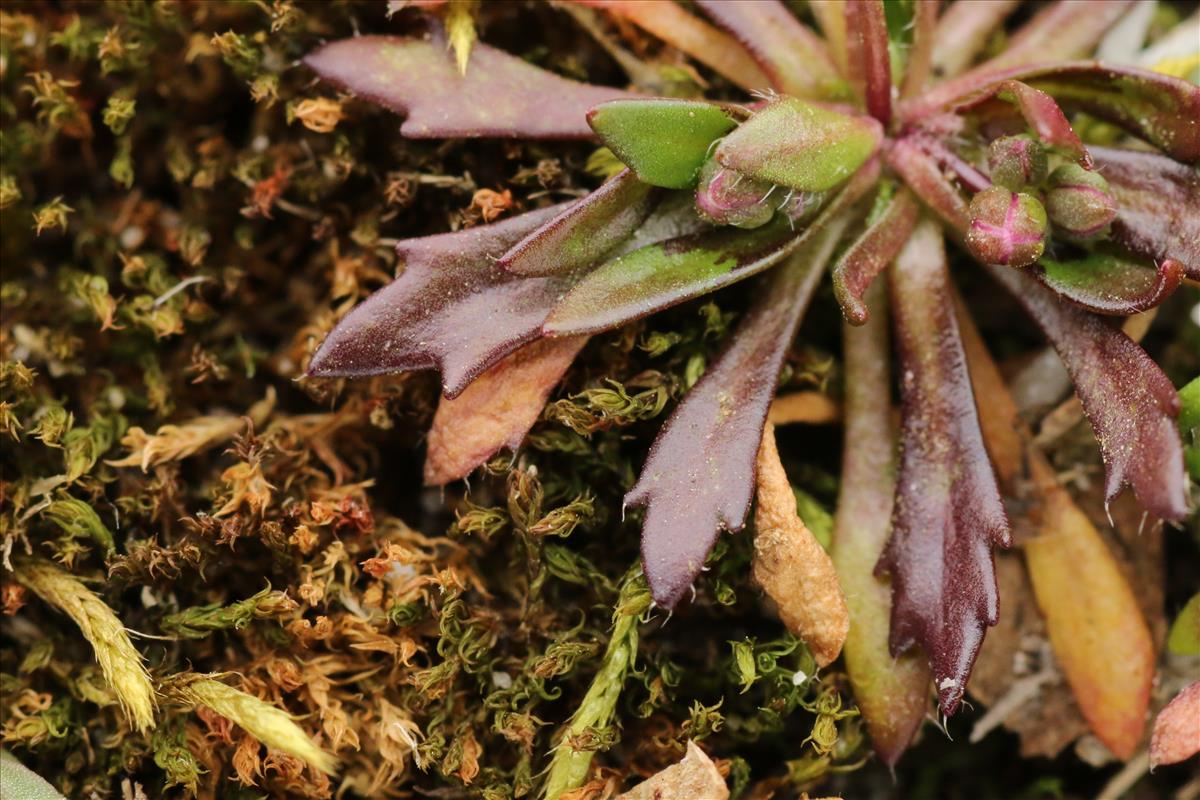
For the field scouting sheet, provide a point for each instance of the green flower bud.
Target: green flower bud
(1007, 228)
(1079, 202)
(1016, 162)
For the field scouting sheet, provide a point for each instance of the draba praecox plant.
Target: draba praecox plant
(863, 150)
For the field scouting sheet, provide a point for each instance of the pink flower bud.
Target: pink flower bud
(1079, 202)
(1016, 162)
(726, 197)
(1007, 228)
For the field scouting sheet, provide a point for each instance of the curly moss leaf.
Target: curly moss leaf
(1176, 735)
(585, 231)
(497, 409)
(1158, 205)
(499, 94)
(1091, 613)
(868, 55)
(1107, 284)
(1155, 107)
(664, 141)
(871, 252)
(19, 781)
(453, 308)
(799, 145)
(792, 56)
(892, 693)
(670, 272)
(948, 513)
(699, 476)
(1130, 403)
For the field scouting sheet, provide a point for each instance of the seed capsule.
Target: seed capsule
(1007, 228)
(1016, 162)
(1079, 202)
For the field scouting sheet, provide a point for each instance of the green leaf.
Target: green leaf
(665, 142)
(800, 145)
(18, 780)
(1189, 396)
(1184, 638)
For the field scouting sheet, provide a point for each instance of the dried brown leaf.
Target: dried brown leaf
(695, 777)
(790, 564)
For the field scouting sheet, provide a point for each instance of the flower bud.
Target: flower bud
(726, 197)
(1079, 203)
(1007, 228)
(1016, 162)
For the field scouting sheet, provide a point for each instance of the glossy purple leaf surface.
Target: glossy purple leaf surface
(868, 57)
(1108, 284)
(792, 56)
(1130, 403)
(1158, 205)
(585, 231)
(699, 476)
(453, 308)
(1155, 107)
(500, 95)
(870, 254)
(948, 513)
(669, 272)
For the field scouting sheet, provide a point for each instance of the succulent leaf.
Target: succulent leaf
(1108, 284)
(869, 58)
(1158, 205)
(699, 476)
(1040, 112)
(948, 513)
(792, 56)
(870, 254)
(1130, 403)
(803, 146)
(892, 693)
(663, 274)
(453, 308)
(664, 141)
(584, 232)
(498, 95)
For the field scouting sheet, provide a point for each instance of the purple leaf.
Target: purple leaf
(1130, 403)
(585, 231)
(926, 179)
(1158, 205)
(699, 476)
(792, 56)
(948, 514)
(500, 95)
(871, 253)
(1158, 108)
(1041, 113)
(453, 308)
(672, 271)
(868, 57)
(891, 693)
(1107, 284)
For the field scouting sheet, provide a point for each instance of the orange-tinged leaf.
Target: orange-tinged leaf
(1177, 729)
(1099, 635)
(668, 21)
(497, 409)
(813, 408)
(790, 564)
